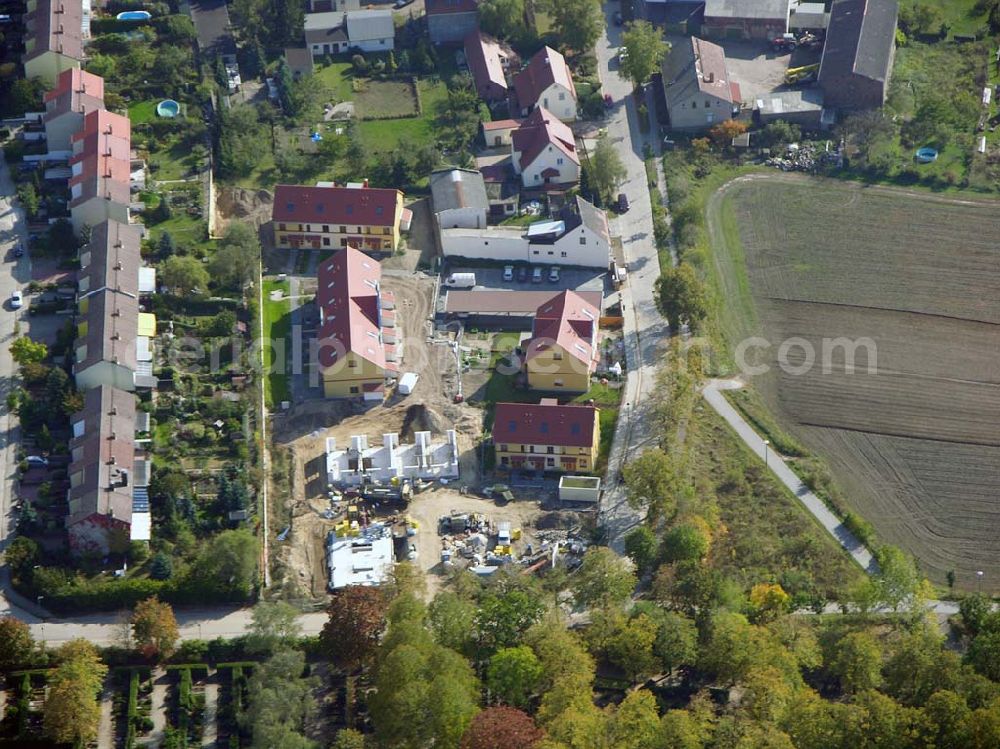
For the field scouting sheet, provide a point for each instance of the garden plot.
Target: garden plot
(914, 441)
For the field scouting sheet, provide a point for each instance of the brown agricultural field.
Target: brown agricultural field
(914, 439)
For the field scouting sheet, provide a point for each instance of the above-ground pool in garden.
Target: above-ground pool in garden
(926, 155)
(168, 108)
(134, 15)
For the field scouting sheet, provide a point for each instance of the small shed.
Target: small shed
(580, 489)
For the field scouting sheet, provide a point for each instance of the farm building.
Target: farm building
(450, 21)
(857, 58)
(699, 92)
(745, 19)
(459, 198)
(807, 17)
(682, 17)
(502, 309)
(361, 463)
(802, 107)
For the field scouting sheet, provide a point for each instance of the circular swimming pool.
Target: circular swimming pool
(168, 108)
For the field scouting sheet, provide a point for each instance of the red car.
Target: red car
(608, 101)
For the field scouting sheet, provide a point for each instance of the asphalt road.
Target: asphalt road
(645, 329)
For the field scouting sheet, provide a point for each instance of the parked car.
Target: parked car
(37, 460)
(553, 274)
(16, 300)
(19, 249)
(622, 202)
(617, 18)
(622, 54)
(522, 273)
(508, 273)
(536, 274)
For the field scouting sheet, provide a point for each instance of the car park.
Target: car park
(16, 300)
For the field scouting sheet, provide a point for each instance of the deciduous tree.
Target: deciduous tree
(26, 351)
(605, 169)
(676, 642)
(652, 482)
(857, 662)
(641, 547)
(281, 701)
(502, 18)
(513, 675)
(273, 624)
(603, 578)
(357, 619)
(686, 541)
(646, 50)
(578, 23)
(72, 712)
(154, 627)
(681, 296)
(183, 274)
(237, 257)
(501, 728)
(631, 649)
(768, 601)
(16, 643)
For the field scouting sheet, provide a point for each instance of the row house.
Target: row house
(330, 217)
(101, 167)
(55, 30)
(545, 436)
(358, 347)
(114, 336)
(77, 93)
(108, 478)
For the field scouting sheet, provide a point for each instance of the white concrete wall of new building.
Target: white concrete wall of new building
(486, 244)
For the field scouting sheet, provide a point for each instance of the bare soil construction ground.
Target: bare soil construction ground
(914, 439)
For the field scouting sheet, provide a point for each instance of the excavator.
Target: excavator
(804, 74)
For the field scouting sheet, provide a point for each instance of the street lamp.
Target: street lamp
(979, 578)
(766, 443)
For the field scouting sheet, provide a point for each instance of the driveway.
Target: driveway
(645, 329)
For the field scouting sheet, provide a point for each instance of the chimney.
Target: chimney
(113, 411)
(711, 77)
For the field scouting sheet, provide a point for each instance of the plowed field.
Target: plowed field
(913, 439)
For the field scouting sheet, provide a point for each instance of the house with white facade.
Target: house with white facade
(543, 151)
(578, 236)
(546, 82)
(333, 32)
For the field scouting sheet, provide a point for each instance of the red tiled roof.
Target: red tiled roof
(348, 298)
(545, 68)
(544, 423)
(358, 206)
(106, 125)
(482, 53)
(537, 132)
(570, 322)
(75, 91)
(76, 79)
(56, 26)
(441, 7)
(501, 125)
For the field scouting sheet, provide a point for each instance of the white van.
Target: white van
(461, 280)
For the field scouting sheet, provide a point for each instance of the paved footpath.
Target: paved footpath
(106, 725)
(211, 726)
(713, 393)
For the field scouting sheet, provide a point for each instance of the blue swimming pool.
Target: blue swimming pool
(168, 108)
(134, 15)
(926, 155)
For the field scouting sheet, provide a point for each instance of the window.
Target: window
(502, 448)
(387, 230)
(562, 96)
(583, 463)
(326, 228)
(281, 227)
(562, 254)
(536, 178)
(583, 240)
(557, 355)
(343, 243)
(550, 462)
(343, 230)
(326, 241)
(559, 161)
(707, 103)
(512, 426)
(531, 448)
(354, 389)
(544, 429)
(551, 451)
(710, 117)
(351, 363)
(504, 460)
(574, 429)
(557, 383)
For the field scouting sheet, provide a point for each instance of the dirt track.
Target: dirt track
(915, 444)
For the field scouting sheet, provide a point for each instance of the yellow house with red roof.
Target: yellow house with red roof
(357, 347)
(332, 218)
(545, 436)
(562, 352)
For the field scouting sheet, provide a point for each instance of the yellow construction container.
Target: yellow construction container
(515, 535)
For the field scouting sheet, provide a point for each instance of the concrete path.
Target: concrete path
(158, 708)
(713, 393)
(645, 330)
(106, 725)
(211, 726)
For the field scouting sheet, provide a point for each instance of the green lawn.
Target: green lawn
(142, 111)
(385, 99)
(385, 135)
(172, 160)
(337, 77)
(277, 326)
(960, 15)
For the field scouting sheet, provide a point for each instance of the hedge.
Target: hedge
(132, 712)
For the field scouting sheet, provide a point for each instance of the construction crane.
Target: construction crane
(804, 74)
